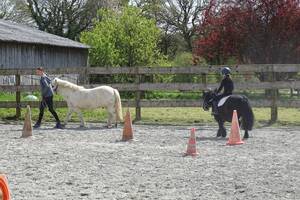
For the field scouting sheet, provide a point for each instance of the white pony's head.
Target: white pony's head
(58, 84)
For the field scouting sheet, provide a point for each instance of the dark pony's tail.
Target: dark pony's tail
(248, 116)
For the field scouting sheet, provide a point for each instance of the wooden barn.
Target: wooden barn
(25, 47)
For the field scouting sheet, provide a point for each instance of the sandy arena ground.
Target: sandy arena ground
(93, 163)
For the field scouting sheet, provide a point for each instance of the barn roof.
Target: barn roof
(13, 32)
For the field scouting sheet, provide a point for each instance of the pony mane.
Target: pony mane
(68, 84)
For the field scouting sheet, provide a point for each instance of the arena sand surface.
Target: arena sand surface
(93, 163)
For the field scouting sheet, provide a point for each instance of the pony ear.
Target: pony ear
(205, 91)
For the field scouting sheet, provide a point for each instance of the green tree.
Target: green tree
(122, 39)
(66, 18)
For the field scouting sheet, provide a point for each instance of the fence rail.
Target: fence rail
(205, 69)
(261, 103)
(168, 86)
(139, 86)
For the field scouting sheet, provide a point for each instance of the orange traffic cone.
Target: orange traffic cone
(27, 128)
(234, 137)
(4, 189)
(127, 130)
(191, 148)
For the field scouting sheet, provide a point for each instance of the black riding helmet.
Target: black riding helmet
(225, 71)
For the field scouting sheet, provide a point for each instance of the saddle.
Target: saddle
(223, 100)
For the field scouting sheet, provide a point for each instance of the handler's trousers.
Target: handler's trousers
(47, 101)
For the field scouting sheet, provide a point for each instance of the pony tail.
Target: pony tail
(248, 117)
(118, 105)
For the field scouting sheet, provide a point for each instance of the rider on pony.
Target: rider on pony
(228, 86)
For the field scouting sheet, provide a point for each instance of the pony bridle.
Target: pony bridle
(55, 89)
(205, 105)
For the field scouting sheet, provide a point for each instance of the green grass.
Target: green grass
(174, 116)
(286, 116)
(251, 94)
(7, 96)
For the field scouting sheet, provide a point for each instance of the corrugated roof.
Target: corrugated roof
(13, 32)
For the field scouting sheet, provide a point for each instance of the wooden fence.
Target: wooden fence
(273, 102)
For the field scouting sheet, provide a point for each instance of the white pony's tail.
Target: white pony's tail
(118, 106)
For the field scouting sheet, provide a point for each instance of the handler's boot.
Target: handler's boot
(37, 125)
(214, 108)
(58, 125)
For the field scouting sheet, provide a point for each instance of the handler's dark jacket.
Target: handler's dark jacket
(46, 87)
(227, 84)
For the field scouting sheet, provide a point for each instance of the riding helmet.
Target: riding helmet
(225, 71)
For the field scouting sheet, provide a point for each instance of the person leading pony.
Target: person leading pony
(47, 98)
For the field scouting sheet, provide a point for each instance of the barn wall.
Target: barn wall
(15, 55)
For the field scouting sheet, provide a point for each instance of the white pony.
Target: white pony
(78, 97)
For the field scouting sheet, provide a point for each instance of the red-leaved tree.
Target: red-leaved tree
(252, 31)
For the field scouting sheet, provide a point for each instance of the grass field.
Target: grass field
(174, 116)
(177, 116)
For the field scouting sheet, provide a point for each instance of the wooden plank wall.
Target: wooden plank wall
(15, 55)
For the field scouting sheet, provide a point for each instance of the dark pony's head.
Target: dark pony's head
(207, 99)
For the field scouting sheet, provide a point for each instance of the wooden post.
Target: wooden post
(82, 77)
(138, 110)
(274, 94)
(18, 96)
(87, 71)
(204, 79)
(204, 82)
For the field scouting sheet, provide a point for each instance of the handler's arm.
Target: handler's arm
(46, 86)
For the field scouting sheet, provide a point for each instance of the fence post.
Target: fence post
(83, 76)
(274, 94)
(18, 96)
(204, 79)
(138, 112)
(204, 82)
(86, 75)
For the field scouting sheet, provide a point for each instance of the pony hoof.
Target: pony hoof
(219, 133)
(224, 135)
(246, 135)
